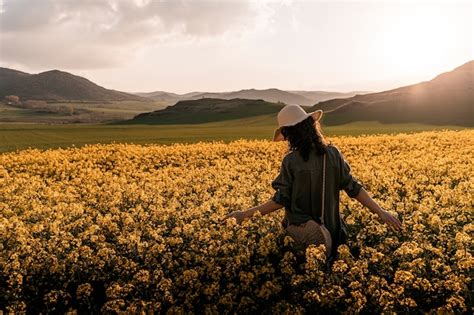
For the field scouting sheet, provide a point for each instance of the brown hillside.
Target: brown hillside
(57, 85)
(446, 99)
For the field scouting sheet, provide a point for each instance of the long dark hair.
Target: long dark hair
(305, 135)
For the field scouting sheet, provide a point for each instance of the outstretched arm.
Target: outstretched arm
(356, 190)
(282, 184)
(264, 208)
(364, 198)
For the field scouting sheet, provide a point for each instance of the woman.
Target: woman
(299, 185)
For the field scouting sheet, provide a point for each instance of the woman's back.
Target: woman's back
(299, 188)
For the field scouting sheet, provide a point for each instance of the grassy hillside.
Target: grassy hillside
(206, 110)
(21, 136)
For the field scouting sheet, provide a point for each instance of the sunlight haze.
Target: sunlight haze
(141, 46)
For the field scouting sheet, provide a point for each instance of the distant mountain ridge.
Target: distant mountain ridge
(446, 99)
(303, 98)
(57, 85)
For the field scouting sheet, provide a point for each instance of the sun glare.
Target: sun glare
(412, 43)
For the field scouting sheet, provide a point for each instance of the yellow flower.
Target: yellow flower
(404, 277)
(138, 228)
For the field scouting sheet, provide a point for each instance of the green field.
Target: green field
(84, 112)
(15, 136)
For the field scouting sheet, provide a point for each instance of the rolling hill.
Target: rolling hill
(303, 98)
(446, 99)
(57, 85)
(320, 96)
(207, 110)
(163, 96)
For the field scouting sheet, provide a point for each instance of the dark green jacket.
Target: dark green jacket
(299, 188)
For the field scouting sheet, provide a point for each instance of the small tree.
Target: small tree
(70, 110)
(12, 99)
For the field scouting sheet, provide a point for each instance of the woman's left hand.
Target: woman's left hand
(238, 215)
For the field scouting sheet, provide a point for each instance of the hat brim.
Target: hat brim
(317, 114)
(278, 136)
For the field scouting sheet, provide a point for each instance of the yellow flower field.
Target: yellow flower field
(132, 229)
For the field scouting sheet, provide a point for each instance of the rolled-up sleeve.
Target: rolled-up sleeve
(349, 183)
(282, 185)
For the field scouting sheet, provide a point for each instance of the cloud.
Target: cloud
(90, 34)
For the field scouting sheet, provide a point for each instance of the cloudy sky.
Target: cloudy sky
(194, 45)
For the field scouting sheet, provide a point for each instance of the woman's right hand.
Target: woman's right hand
(390, 220)
(239, 216)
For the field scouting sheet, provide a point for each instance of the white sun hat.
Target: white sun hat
(290, 115)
